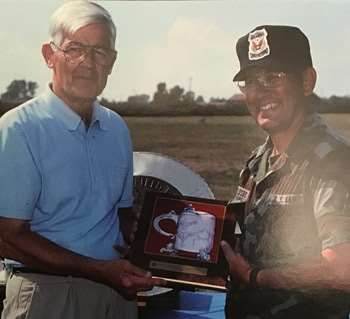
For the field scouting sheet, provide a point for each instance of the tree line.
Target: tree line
(174, 101)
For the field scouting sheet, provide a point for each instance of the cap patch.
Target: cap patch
(258, 45)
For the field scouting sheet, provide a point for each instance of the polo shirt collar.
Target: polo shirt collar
(71, 120)
(99, 116)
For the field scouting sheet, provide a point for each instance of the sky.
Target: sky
(186, 43)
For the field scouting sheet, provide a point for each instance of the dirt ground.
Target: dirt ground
(215, 147)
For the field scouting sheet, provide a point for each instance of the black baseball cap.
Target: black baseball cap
(273, 47)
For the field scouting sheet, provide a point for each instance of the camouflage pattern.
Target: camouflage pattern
(296, 205)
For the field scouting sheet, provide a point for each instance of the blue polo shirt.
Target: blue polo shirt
(68, 182)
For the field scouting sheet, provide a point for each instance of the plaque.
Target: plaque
(178, 239)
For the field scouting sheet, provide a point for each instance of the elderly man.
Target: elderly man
(294, 258)
(66, 183)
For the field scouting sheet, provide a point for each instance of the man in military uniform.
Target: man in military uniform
(293, 258)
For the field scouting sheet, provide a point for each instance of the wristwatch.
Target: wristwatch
(253, 276)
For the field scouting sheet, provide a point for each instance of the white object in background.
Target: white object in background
(185, 180)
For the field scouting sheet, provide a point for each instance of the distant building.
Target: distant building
(217, 101)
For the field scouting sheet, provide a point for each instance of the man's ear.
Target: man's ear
(309, 80)
(111, 66)
(48, 54)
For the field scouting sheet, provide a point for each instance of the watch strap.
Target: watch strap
(253, 277)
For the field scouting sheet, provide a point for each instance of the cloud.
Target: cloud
(193, 48)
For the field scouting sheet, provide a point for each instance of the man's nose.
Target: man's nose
(88, 57)
(261, 85)
(261, 89)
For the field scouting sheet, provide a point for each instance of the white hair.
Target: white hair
(73, 15)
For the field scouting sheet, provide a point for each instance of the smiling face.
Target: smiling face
(277, 109)
(84, 79)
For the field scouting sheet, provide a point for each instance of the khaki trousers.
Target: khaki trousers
(36, 296)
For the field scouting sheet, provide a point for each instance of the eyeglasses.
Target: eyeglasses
(76, 52)
(268, 80)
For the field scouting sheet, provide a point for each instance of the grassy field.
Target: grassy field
(215, 147)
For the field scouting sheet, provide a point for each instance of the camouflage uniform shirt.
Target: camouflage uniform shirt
(296, 205)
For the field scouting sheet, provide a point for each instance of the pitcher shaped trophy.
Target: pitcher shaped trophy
(194, 234)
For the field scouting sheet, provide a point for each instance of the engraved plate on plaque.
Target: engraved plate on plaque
(185, 269)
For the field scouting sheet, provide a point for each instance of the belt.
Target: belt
(27, 270)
